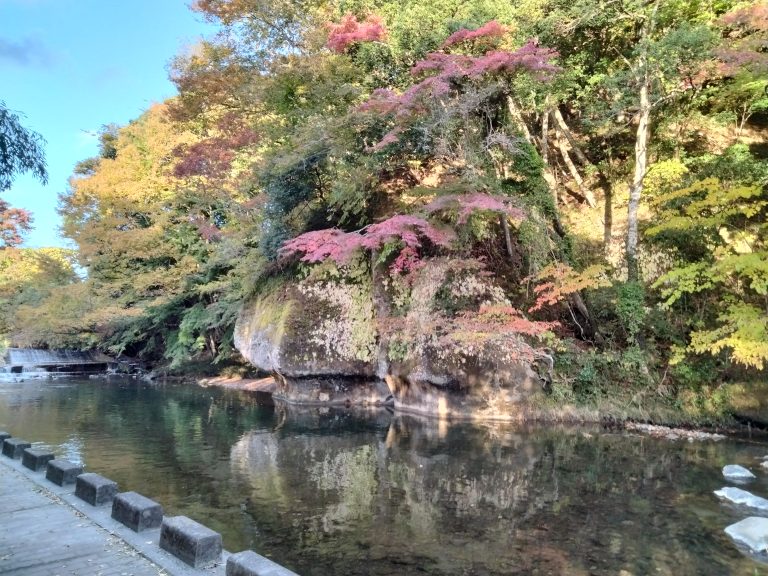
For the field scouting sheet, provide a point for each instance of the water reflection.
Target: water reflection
(343, 492)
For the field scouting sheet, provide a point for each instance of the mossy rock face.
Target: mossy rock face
(489, 384)
(320, 337)
(750, 402)
(309, 329)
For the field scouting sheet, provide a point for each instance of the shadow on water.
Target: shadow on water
(336, 491)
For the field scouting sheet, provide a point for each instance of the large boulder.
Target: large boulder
(309, 329)
(360, 338)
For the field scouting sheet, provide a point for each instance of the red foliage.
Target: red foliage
(446, 66)
(466, 204)
(489, 30)
(408, 229)
(13, 223)
(406, 262)
(501, 319)
(213, 156)
(321, 245)
(746, 40)
(339, 246)
(350, 31)
(389, 138)
(530, 58)
(447, 72)
(753, 18)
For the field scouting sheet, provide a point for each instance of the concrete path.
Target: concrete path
(41, 535)
(45, 530)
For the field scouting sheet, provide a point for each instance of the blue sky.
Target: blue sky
(71, 66)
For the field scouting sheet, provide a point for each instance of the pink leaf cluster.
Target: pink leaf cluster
(409, 229)
(14, 222)
(213, 156)
(489, 30)
(409, 260)
(320, 245)
(466, 204)
(754, 18)
(350, 31)
(446, 72)
(446, 66)
(339, 246)
(746, 41)
(530, 57)
(503, 319)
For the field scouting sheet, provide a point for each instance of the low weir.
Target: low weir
(178, 544)
(42, 362)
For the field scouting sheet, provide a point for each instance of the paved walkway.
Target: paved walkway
(45, 530)
(41, 535)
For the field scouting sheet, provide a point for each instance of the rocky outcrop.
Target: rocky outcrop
(362, 339)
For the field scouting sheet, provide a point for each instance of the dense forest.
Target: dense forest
(596, 172)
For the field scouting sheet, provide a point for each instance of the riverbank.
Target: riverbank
(618, 410)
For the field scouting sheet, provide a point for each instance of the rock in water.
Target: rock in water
(737, 473)
(764, 464)
(751, 532)
(743, 498)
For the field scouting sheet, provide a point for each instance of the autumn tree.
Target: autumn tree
(27, 278)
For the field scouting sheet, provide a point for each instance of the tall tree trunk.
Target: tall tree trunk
(602, 179)
(544, 136)
(585, 191)
(641, 166)
(643, 75)
(607, 212)
(560, 121)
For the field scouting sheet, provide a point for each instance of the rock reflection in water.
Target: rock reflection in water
(341, 492)
(336, 491)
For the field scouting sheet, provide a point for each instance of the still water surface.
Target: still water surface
(340, 492)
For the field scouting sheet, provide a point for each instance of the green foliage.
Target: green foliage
(630, 308)
(721, 238)
(21, 150)
(181, 218)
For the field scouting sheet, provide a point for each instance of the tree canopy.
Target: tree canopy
(603, 161)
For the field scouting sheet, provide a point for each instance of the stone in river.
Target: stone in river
(737, 473)
(751, 532)
(743, 498)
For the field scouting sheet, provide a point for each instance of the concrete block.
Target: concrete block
(4, 435)
(136, 511)
(95, 489)
(190, 541)
(249, 563)
(14, 447)
(36, 459)
(62, 471)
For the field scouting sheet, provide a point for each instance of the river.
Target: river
(326, 491)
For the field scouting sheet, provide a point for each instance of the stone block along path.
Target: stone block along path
(40, 535)
(47, 530)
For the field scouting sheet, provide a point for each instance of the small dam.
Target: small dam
(42, 362)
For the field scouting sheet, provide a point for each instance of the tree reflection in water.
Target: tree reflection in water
(337, 491)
